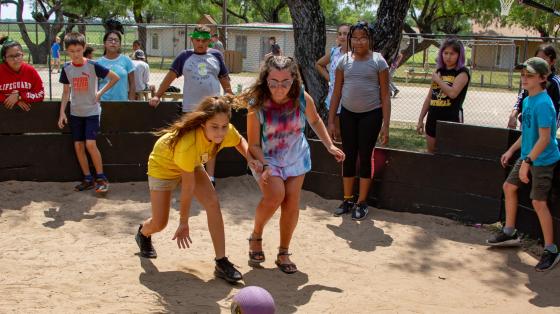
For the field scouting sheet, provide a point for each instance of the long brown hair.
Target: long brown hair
(206, 110)
(258, 93)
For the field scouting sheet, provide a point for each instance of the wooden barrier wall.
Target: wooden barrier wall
(35, 149)
(462, 181)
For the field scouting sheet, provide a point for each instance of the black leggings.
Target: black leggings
(359, 132)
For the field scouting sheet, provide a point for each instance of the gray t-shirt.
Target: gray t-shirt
(83, 83)
(361, 89)
(202, 73)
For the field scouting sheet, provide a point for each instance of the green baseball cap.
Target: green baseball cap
(535, 65)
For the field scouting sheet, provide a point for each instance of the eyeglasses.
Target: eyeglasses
(283, 84)
(113, 40)
(359, 39)
(16, 56)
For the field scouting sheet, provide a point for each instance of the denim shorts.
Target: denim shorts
(84, 128)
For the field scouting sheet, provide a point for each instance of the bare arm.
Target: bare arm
(226, 84)
(253, 136)
(454, 90)
(131, 86)
(540, 145)
(321, 65)
(62, 120)
(337, 94)
(423, 112)
(187, 193)
(167, 80)
(385, 105)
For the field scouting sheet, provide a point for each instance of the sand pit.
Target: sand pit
(70, 252)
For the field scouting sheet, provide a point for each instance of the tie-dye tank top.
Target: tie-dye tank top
(282, 136)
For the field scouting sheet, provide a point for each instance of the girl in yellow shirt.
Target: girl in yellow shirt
(178, 157)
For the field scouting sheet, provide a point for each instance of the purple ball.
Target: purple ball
(253, 300)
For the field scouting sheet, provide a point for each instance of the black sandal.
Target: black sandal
(255, 257)
(288, 268)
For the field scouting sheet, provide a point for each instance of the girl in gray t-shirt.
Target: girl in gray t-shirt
(362, 88)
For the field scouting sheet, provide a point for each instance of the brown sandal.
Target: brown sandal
(288, 268)
(255, 257)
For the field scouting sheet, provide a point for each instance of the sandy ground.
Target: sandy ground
(71, 252)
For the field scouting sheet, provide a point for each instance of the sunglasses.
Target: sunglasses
(283, 84)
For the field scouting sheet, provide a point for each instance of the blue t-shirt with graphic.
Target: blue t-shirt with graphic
(55, 49)
(122, 66)
(539, 112)
(202, 75)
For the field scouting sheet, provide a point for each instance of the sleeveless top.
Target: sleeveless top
(440, 101)
(282, 133)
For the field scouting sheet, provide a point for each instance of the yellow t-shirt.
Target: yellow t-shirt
(191, 151)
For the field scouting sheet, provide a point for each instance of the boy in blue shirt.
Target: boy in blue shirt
(80, 78)
(539, 156)
(55, 55)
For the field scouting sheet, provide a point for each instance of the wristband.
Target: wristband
(264, 166)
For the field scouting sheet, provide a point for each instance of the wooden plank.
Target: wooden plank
(137, 116)
(42, 118)
(471, 141)
(116, 117)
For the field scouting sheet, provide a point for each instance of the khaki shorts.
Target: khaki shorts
(157, 184)
(540, 178)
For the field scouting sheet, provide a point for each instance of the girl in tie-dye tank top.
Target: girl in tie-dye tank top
(278, 110)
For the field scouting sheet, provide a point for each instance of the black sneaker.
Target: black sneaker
(145, 244)
(503, 239)
(548, 260)
(360, 211)
(344, 208)
(226, 270)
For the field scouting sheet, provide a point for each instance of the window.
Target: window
(241, 45)
(517, 54)
(499, 55)
(155, 41)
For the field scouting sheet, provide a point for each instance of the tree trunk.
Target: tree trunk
(310, 39)
(39, 51)
(388, 27)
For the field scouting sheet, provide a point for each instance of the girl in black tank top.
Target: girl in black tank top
(447, 93)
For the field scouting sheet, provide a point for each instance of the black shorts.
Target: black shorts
(442, 115)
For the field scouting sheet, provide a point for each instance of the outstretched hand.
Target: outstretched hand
(182, 236)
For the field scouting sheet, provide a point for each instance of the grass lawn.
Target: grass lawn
(404, 136)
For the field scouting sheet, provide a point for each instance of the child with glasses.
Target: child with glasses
(20, 84)
(539, 156)
(278, 111)
(361, 88)
(114, 60)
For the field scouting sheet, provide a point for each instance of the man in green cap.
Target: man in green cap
(539, 156)
(204, 70)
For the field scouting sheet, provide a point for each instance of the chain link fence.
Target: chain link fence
(492, 91)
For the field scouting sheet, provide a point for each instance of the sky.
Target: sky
(9, 12)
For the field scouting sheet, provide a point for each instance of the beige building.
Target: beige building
(250, 39)
(505, 53)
